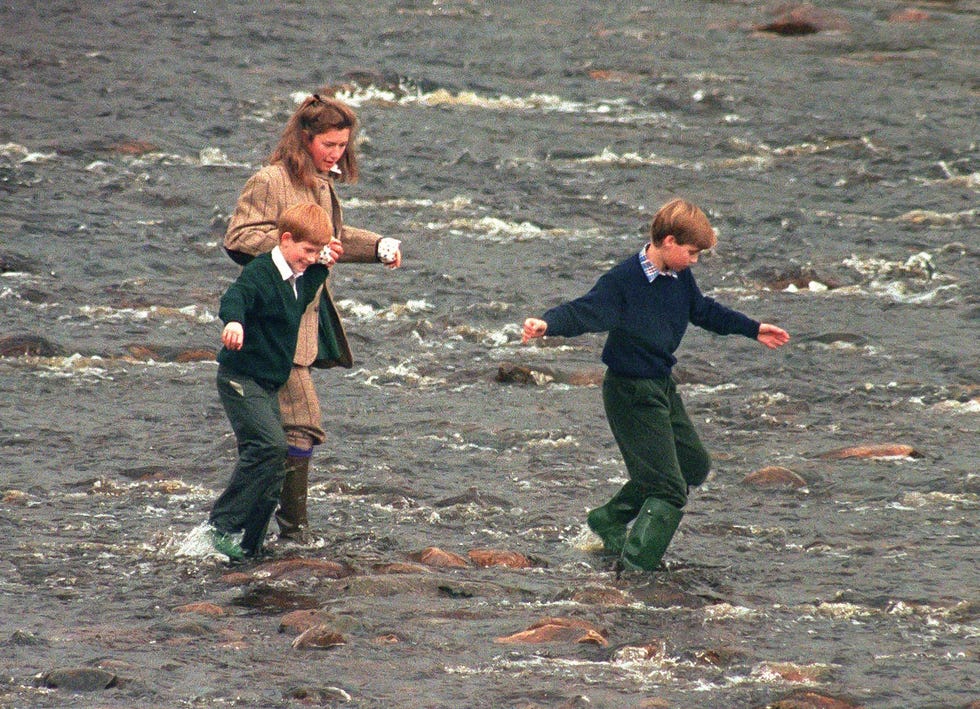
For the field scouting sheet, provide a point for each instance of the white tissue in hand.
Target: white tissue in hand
(388, 249)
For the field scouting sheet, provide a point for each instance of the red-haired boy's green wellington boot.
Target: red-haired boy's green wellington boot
(611, 531)
(651, 534)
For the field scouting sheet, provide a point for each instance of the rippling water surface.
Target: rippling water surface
(518, 150)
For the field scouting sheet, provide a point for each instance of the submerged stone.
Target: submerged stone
(29, 345)
(554, 630)
(808, 699)
(499, 557)
(400, 567)
(319, 636)
(203, 608)
(774, 476)
(804, 19)
(79, 679)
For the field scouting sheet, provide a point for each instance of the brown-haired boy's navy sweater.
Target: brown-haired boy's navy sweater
(270, 315)
(645, 320)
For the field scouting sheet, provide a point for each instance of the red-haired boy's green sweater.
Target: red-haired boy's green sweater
(645, 320)
(270, 314)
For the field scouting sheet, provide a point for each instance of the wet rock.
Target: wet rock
(510, 373)
(454, 591)
(207, 609)
(401, 567)
(662, 595)
(909, 14)
(434, 556)
(595, 596)
(498, 557)
(133, 147)
(798, 20)
(473, 496)
(186, 628)
(298, 622)
(774, 476)
(14, 497)
(301, 620)
(556, 630)
(301, 568)
(79, 679)
(274, 599)
(12, 263)
(24, 638)
(237, 578)
(800, 277)
(29, 345)
(719, 656)
(317, 696)
(419, 586)
(792, 672)
(873, 452)
(159, 353)
(640, 653)
(834, 339)
(319, 636)
(387, 639)
(808, 699)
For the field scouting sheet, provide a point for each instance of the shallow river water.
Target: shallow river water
(518, 150)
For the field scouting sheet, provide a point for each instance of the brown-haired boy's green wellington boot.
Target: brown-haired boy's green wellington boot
(651, 534)
(611, 531)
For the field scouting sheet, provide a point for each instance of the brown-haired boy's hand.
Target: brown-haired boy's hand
(233, 336)
(533, 327)
(772, 336)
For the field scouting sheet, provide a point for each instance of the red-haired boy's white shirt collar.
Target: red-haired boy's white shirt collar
(284, 268)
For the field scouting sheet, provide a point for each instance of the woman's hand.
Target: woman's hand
(331, 253)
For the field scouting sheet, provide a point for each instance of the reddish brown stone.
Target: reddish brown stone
(202, 608)
(307, 568)
(553, 630)
(236, 578)
(133, 147)
(389, 639)
(433, 556)
(200, 355)
(909, 14)
(882, 450)
(498, 557)
(807, 699)
(774, 476)
(300, 621)
(319, 636)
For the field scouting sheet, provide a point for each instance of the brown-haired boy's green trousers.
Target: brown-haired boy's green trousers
(663, 456)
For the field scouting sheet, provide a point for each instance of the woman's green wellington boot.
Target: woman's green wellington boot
(651, 534)
(610, 531)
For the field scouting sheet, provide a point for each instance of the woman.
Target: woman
(316, 148)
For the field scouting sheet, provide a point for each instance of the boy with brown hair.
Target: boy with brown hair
(645, 304)
(262, 310)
